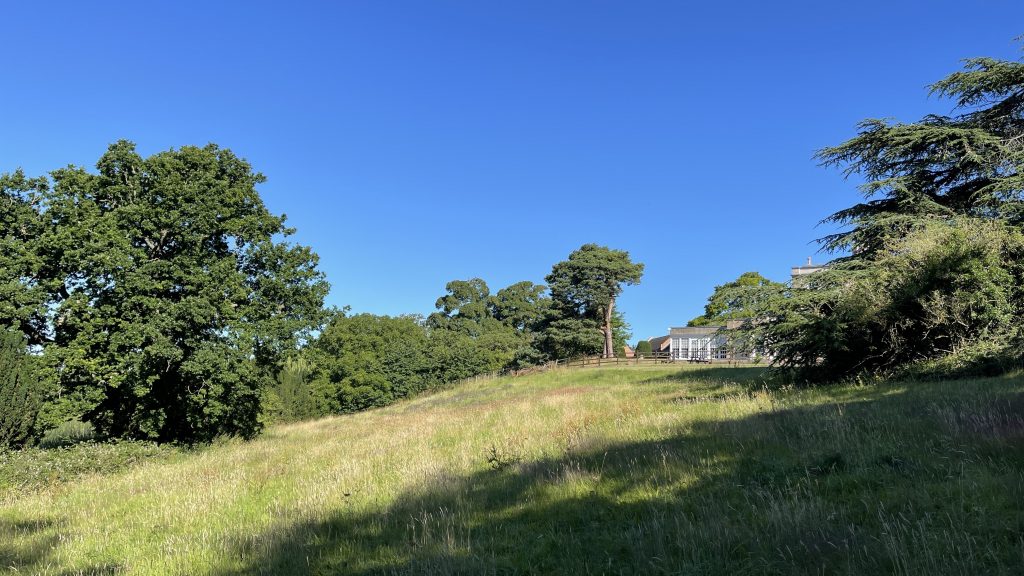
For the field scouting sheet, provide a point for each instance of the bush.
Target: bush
(68, 434)
(19, 392)
(948, 295)
(32, 469)
(290, 398)
(643, 348)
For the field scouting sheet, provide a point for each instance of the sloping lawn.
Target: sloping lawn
(616, 471)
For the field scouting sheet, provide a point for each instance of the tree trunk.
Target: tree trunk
(609, 346)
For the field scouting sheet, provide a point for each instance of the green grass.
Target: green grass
(616, 471)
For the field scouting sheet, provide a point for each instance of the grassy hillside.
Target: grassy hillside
(618, 471)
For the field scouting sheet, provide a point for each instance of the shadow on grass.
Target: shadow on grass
(750, 378)
(874, 486)
(28, 546)
(36, 540)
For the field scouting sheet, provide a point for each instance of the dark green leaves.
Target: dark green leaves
(164, 296)
(968, 164)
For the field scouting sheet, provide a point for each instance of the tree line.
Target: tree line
(363, 361)
(158, 299)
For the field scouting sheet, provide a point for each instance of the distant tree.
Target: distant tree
(570, 337)
(364, 361)
(290, 397)
(620, 334)
(19, 391)
(968, 164)
(741, 299)
(643, 348)
(585, 287)
(466, 302)
(159, 290)
(522, 306)
(488, 332)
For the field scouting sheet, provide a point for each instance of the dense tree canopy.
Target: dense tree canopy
(159, 290)
(364, 361)
(948, 292)
(521, 306)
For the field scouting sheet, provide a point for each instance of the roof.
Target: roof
(659, 342)
(695, 331)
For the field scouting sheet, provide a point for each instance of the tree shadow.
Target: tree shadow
(716, 378)
(27, 547)
(37, 538)
(860, 487)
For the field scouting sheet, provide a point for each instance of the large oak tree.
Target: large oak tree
(160, 290)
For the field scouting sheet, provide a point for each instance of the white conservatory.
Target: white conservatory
(704, 344)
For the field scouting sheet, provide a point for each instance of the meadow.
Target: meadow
(641, 470)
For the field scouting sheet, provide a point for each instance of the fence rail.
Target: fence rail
(598, 361)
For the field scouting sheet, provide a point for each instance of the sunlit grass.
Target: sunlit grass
(639, 470)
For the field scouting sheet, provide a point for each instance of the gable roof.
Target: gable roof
(659, 342)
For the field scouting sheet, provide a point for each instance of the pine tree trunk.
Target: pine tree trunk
(609, 346)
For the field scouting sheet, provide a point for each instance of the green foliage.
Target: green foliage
(474, 332)
(521, 306)
(643, 348)
(740, 299)
(941, 166)
(364, 361)
(946, 288)
(571, 338)
(467, 300)
(68, 434)
(27, 470)
(585, 287)
(620, 334)
(22, 302)
(290, 398)
(161, 293)
(19, 391)
(933, 284)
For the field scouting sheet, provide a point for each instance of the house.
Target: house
(718, 343)
(799, 274)
(660, 345)
(706, 343)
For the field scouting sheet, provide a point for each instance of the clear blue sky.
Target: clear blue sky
(412, 143)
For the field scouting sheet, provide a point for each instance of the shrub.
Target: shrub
(32, 469)
(68, 434)
(948, 294)
(290, 398)
(643, 348)
(19, 392)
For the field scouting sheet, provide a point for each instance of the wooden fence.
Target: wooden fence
(598, 361)
(657, 358)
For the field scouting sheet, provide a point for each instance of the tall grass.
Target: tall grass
(618, 471)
